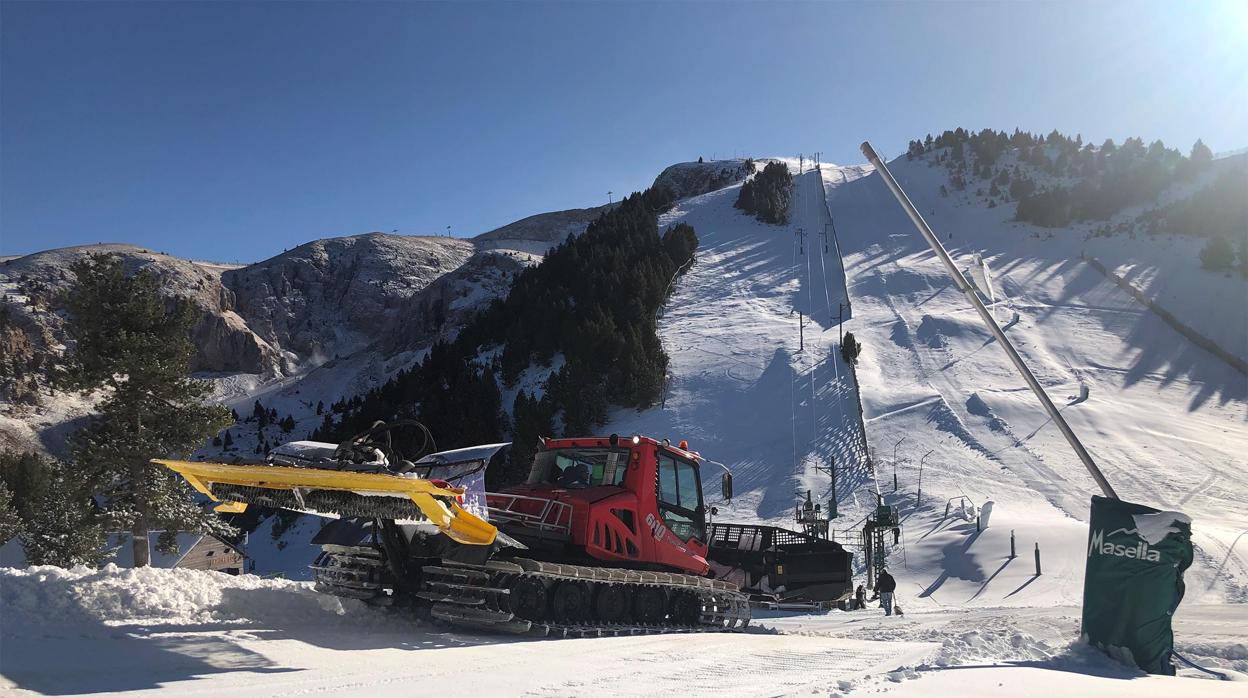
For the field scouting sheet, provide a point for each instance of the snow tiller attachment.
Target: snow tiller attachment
(353, 480)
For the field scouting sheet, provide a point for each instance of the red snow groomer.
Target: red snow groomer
(608, 535)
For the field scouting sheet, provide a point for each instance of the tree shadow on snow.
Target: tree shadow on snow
(95, 658)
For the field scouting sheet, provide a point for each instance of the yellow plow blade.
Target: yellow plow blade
(437, 503)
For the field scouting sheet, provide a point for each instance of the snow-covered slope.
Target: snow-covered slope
(1164, 418)
(742, 389)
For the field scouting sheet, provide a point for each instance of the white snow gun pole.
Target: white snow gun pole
(969, 292)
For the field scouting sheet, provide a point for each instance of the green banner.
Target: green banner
(1134, 581)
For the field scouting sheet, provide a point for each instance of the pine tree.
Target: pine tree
(56, 517)
(136, 344)
(27, 477)
(767, 196)
(1217, 254)
(1201, 154)
(260, 415)
(228, 442)
(10, 522)
(66, 529)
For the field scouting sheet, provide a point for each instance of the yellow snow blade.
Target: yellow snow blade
(436, 502)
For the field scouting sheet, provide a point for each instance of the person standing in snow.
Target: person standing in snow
(885, 586)
(860, 598)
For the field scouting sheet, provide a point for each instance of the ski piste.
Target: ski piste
(1133, 622)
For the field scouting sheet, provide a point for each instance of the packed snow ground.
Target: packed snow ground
(128, 631)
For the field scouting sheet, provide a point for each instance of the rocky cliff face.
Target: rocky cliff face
(688, 179)
(337, 296)
(33, 286)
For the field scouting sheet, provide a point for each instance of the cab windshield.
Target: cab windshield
(680, 497)
(576, 468)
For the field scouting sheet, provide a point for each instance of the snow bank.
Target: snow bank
(42, 598)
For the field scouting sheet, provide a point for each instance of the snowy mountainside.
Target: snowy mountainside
(548, 229)
(741, 389)
(1164, 418)
(341, 314)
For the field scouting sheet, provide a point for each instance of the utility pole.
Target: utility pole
(448, 231)
(801, 240)
(832, 513)
(830, 469)
(825, 237)
(801, 331)
(895, 462)
(919, 502)
(609, 199)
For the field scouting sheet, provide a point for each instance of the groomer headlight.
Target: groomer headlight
(636, 440)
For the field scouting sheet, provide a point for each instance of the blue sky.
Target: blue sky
(232, 131)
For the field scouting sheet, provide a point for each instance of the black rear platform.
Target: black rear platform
(811, 569)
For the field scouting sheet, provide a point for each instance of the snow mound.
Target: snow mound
(51, 597)
(975, 405)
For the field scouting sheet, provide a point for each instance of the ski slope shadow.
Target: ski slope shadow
(106, 659)
(81, 654)
(1151, 349)
(958, 562)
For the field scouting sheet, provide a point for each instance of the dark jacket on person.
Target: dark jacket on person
(885, 583)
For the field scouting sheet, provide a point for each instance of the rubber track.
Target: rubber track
(355, 572)
(477, 597)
